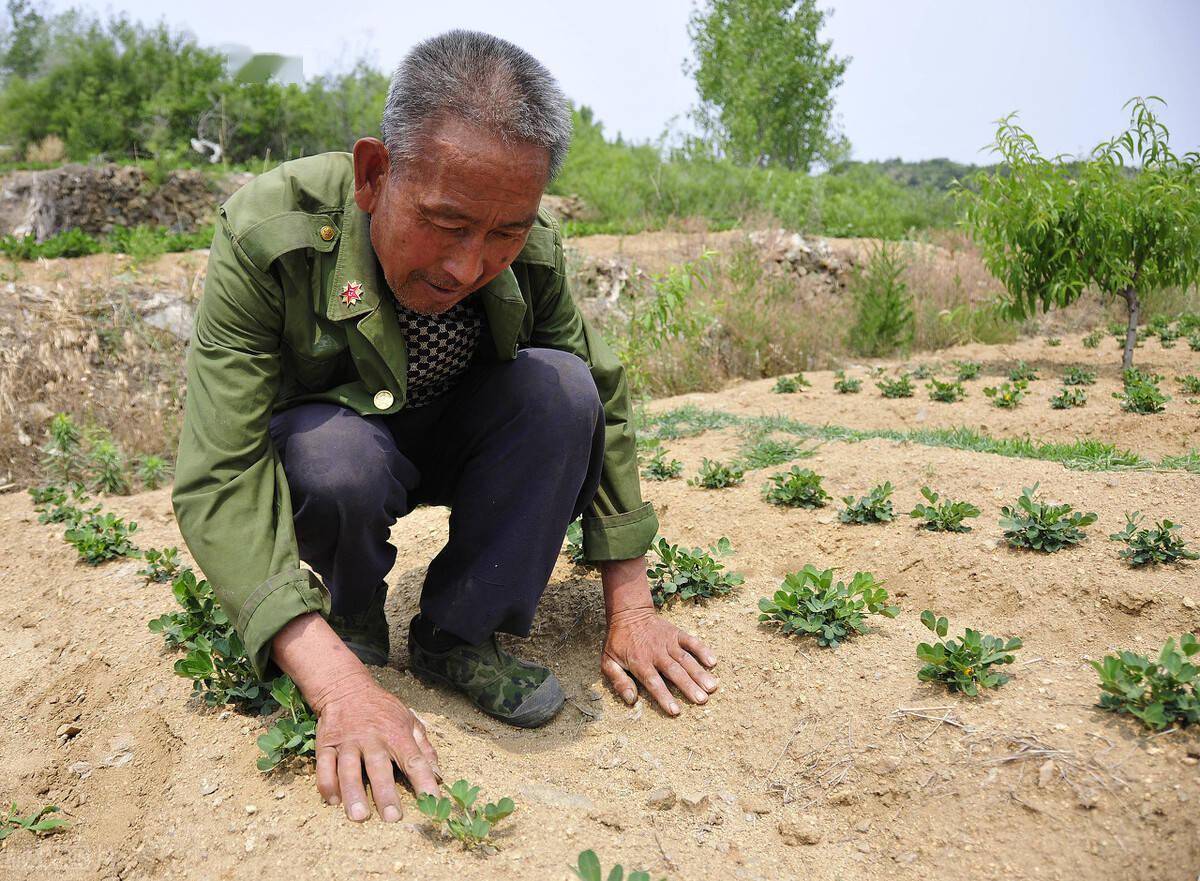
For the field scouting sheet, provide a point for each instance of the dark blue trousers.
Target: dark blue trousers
(514, 451)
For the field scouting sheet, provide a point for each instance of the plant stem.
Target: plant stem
(1131, 300)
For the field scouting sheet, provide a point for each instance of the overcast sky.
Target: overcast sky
(927, 77)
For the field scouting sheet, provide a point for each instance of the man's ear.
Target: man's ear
(371, 168)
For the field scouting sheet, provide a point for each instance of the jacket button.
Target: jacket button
(327, 233)
(383, 399)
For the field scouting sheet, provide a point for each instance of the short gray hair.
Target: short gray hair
(482, 80)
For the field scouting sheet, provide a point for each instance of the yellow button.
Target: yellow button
(383, 399)
(327, 233)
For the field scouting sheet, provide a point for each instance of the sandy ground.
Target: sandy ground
(807, 763)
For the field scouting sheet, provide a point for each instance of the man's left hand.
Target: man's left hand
(651, 648)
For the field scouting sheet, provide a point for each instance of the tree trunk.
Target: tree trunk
(1131, 300)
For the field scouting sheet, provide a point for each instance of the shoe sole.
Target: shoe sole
(547, 700)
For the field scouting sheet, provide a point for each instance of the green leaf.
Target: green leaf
(588, 866)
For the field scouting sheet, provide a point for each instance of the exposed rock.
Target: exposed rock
(662, 798)
(207, 787)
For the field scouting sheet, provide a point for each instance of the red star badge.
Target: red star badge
(352, 293)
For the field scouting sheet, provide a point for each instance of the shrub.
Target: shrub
(1022, 373)
(102, 537)
(789, 385)
(161, 566)
(62, 454)
(1041, 527)
(964, 665)
(1078, 376)
(943, 515)
(798, 488)
(107, 466)
(844, 385)
(659, 468)
(470, 825)
(875, 507)
(1068, 398)
(967, 369)
(946, 392)
(1160, 693)
(883, 312)
(1007, 396)
(153, 471)
(716, 475)
(1160, 544)
(810, 603)
(900, 387)
(690, 574)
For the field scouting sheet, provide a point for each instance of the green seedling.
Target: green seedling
(844, 385)
(39, 822)
(771, 451)
(922, 371)
(1022, 373)
(1092, 340)
(690, 574)
(1048, 528)
(470, 825)
(811, 603)
(716, 475)
(1146, 547)
(1141, 394)
(200, 615)
(101, 537)
(1194, 341)
(1160, 693)
(964, 665)
(797, 488)
(1078, 376)
(1006, 396)
(294, 734)
(875, 507)
(967, 370)
(588, 869)
(153, 471)
(62, 454)
(1053, 342)
(660, 468)
(161, 566)
(54, 506)
(1068, 398)
(946, 392)
(574, 544)
(107, 467)
(1190, 384)
(943, 515)
(789, 385)
(1167, 337)
(899, 387)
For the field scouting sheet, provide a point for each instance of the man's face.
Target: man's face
(446, 224)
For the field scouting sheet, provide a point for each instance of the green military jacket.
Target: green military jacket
(272, 331)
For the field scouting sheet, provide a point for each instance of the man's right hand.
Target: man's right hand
(362, 725)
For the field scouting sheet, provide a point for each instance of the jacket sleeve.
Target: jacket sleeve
(231, 496)
(618, 525)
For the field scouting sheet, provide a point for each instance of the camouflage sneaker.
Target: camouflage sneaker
(503, 686)
(367, 634)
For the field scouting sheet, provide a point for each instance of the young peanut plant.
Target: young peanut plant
(875, 507)
(964, 665)
(1092, 340)
(797, 488)
(922, 371)
(1078, 376)
(660, 468)
(1022, 372)
(690, 574)
(573, 546)
(1067, 398)
(1194, 341)
(101, 537)
(900, 387)
(811, 603)
(1190, 384)
(789, 385)
(946, 392)
(161, 566)
(1006, 396)
(294, 734)
(844, 385)
(1141, 394)
(587, 868)
(39, 822)
(1148, 547)
(943, 516)
(470, 825)
(1035, 525)
(967, 370)
(716, 475)
(1053, 342)
(1159, 693)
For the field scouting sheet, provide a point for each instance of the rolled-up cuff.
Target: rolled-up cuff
(277, 601)
(619, 536)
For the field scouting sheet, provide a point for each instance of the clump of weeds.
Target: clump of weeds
(661, 468)
(153, 471)
(690, 573)
(1041, 527)
(716, 475)
(1162, 543)
(797, 488)
(874, 507)
(966, 664)
(789, 385)
(1160, 692)
(457, 811)
(1053, 342)
(943, 515)
(811, 603)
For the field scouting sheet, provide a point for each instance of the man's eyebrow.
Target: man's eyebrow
(449, 212)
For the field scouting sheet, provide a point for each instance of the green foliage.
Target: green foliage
(101, 537)
(574, 543)
(54, 506)
(716, 475)
(659, 468)
(294, 734)
(1141, 394)
(1194, 341)
(1049, 232)
(1092, 340)
(1053, 342)
(467, 823)
(943, 515)
(1041, 527)
(161, 566)
(967, 370)
(62, 454)
(844, 385)
(964, 665)
(922, 371)
(1160, 544)
(1160, 693)
(875, 507)
(588, 869)
(810, 602)
(153, 471)
(690, 574)
(797, 488)
(1068, 398)
(1022, 372)
(946, 392)
(899, 387)
(766, 81)
(38, 823)
(1190, 384)
(1007, 396)
(883, 315)
(789, 385)
(769, 451)
(106, 464)
(142, 243)
(1078, 376)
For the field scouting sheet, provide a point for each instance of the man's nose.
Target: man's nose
(465, 262)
